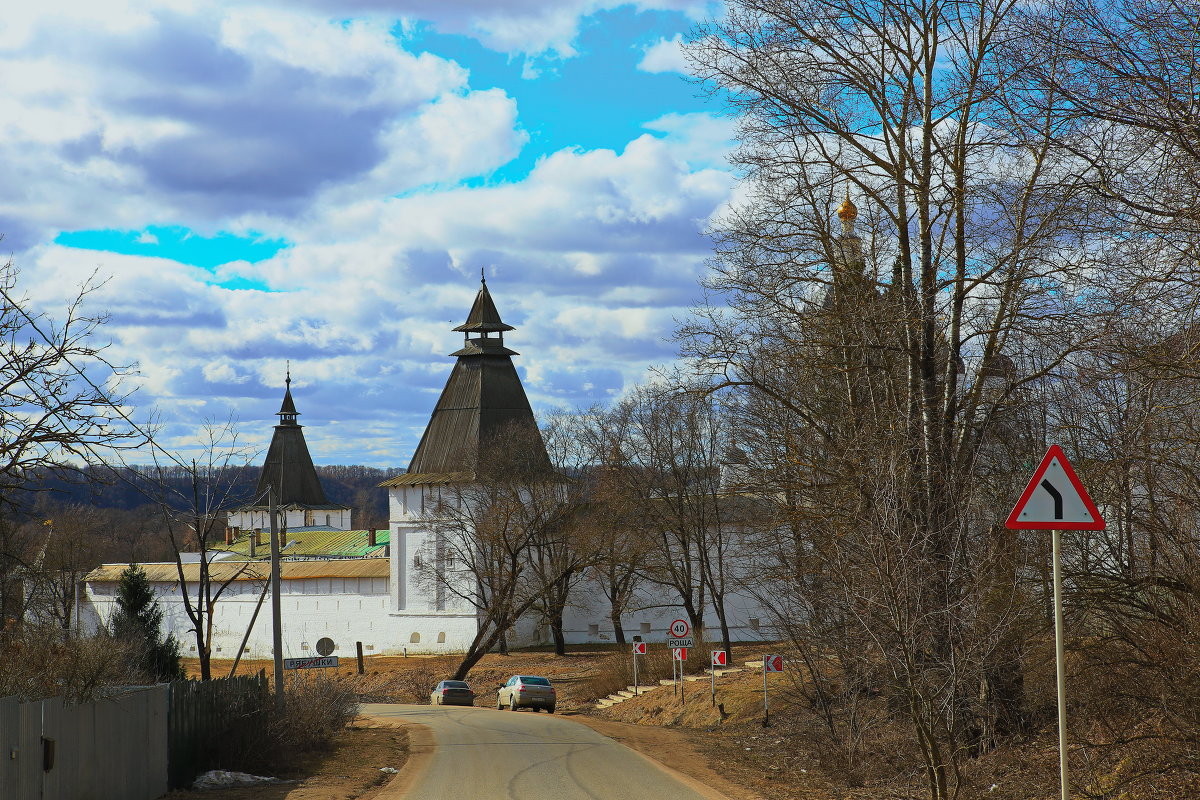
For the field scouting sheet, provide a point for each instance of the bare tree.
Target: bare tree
(668, 445)
(485, 530)
(893, 355)
(59, 410)
(192, 515)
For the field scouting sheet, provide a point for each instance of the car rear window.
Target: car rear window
(455, 685)
(532, 681)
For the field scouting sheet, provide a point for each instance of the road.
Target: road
(484, 754)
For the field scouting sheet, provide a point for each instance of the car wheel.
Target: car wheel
(550, 709)
(512, 705)
(499, 704)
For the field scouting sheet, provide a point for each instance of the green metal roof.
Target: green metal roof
(313, 544)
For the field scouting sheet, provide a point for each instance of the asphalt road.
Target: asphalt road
(484, 754)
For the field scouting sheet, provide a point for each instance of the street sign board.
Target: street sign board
(679, 654)
(325, 646)
(309, 663)
(639, 648)
(681, 641)
(680, 628)
(772, 663)
(1055, 499)
(720, 658)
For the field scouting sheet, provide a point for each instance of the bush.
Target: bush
(315, 709)
(38, 662)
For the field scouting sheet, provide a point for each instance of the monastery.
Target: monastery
(356, 585)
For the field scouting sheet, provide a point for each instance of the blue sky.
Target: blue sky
(321, 182)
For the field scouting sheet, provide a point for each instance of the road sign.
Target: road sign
(639, 648)
(720, 658)
(679, 654)
(772, 663)
(1055, 499)
(681, 641)
(680, 628)
(325, 646)
(309, 663)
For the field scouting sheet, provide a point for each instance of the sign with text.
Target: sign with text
(309, 663)
(679, 654)
(680, 628)
(681, 641)
(720, 658)
(772, 663)
(639, 648)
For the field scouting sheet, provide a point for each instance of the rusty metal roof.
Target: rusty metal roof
(426, 479)
(221, 571)
(314, 543)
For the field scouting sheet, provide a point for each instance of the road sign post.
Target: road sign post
(1055, 500)
(719, 659)
(679, 654)
(639, 649)
(770, 664)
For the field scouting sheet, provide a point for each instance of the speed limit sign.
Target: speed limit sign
(680, 628)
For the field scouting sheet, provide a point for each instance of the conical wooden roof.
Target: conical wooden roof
(483, 316)
(288, 466)
(482, 396)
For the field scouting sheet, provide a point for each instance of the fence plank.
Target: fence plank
(10, 723)
(29, 747)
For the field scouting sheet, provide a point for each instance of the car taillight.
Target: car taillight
(552, 690)
(520, 688)
(444, 691)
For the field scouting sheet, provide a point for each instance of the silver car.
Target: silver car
(452, 693)
(526, 691)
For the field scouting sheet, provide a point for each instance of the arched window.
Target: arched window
(414, 639)
(441, 637)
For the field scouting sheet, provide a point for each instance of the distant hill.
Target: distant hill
(118, 487)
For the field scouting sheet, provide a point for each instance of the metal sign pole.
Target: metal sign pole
(682, 686)
(713, 672)
(766, 707)
(276, 616)
(1060, 669)
(674, 681)
(635, 677)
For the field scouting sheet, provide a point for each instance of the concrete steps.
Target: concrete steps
(624, 694)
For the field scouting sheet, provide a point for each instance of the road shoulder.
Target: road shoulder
(671, 750)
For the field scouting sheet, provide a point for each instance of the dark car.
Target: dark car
(452, 693)
(526, 691)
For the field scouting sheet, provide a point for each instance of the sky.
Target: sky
(321, 182)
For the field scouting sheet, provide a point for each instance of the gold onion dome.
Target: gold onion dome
(847, 211)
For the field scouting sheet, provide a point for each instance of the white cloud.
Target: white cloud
(665, 55)
(334, 138)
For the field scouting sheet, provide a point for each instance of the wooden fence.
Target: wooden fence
(133, 746)
(210, 721)
(110, 748)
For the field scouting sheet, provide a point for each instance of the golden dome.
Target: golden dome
(847, 211)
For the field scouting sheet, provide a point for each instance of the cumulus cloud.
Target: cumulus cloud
(665, 55)
(330, 135)
(164, 112)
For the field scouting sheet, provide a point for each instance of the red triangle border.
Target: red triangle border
(1014, 523)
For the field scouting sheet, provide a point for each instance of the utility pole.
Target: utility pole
(276, 618)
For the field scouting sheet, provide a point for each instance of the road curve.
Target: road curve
(483, 754)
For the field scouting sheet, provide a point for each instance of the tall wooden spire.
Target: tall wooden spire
(482, 396)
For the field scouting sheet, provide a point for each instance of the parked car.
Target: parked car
(452, 693)
(526, 691)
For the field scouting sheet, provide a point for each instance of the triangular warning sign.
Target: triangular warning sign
(1055, 499)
